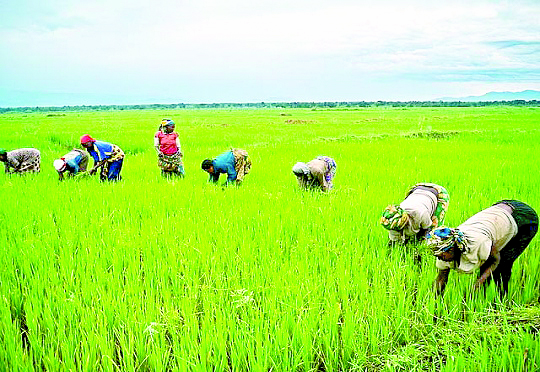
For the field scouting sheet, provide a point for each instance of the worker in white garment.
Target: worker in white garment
(423, 209)
(490, 240)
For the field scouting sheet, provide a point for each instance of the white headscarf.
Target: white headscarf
(301, 169)
(60, 165)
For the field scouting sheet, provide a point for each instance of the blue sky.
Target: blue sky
(64, 52)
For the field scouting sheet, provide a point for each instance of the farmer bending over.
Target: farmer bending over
(423, 209)
(490, 240)
(73, 162)
(317, 174)
(236, 163)
(106, 156)
(21, 160)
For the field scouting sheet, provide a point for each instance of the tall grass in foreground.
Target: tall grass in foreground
(150, 274)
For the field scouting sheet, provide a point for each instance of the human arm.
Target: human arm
(97, 166)
(178, 145)
(214, 177)
(12, 165)
(73, 165)
(495, 259)
(302, 181)
(395, 237)
(421, 234)
(156, 144)
(94, 156)
(441, 280)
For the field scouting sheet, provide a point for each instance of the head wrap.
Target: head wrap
(394, 218)
(60, 165)
(167, 122)
(87, 138)
(443, 238)
(301, 169)
(3, 152)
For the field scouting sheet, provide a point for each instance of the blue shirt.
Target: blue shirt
(224, 163)
(104, 150)
(73, 160)
(73, 164)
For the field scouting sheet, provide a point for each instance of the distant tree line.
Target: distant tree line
(312, 105)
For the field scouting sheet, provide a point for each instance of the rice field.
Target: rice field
(150, 274)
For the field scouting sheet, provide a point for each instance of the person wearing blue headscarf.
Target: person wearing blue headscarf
(491, 240)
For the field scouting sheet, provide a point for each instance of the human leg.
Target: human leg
(527, 222)
(114, 170)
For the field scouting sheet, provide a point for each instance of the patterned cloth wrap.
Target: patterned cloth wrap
(116, 154)
(443, 238)
(242, 163)
(25, 160)
(443, 199)
(166, 123)
(394, 218)
(171, 163)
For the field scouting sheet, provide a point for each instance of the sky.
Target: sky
(65, 52)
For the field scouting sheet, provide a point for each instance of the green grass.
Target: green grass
(150, 274)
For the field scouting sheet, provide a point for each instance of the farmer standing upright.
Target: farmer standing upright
(167, 146)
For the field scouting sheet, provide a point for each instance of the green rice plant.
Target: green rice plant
(156, 274)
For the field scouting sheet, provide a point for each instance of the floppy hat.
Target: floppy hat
(60, 165)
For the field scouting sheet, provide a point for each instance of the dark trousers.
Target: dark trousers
(527, 223)
(111, 171)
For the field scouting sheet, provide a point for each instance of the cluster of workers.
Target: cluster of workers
(109, 158)
(491, 240)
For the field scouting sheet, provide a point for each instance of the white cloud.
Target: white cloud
(124, 45)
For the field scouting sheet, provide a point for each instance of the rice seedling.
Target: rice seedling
(179, 274)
